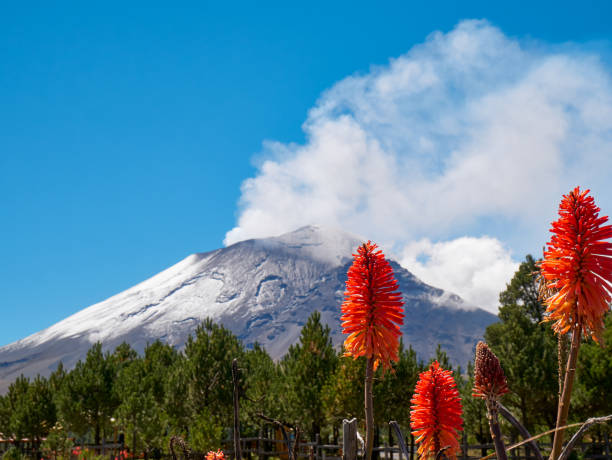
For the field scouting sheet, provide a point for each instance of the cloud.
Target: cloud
(468, 133)
(474, 268)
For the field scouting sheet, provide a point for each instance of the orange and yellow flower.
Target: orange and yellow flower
(372, 310)
(212, 455)
(436, 413)
(577, 266)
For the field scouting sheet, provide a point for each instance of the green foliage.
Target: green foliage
(442, 357)
(342, 394)
(165, 392)
(305, 369)
(87, 454)
(206, 432)
(13, 454)
(140, 387)
(39, 414)
(260, 384)
(138, 413)
(527, 350)
(475, 421)
(58, 444)
(87, 398)
(209, 374)
(13, 405)
(594, 381)
(176, 405)
(27, 410)
(206, 376)
(393, 391)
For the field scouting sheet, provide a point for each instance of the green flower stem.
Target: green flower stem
(500, 449)
(369, 409)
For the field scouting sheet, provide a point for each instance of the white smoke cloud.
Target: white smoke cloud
(468, 133)
(475, 268)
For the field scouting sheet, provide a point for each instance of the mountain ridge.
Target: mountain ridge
(263, 290)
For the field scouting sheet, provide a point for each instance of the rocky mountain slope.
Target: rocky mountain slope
(263, 290)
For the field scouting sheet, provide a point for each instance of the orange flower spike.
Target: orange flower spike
(372, 310)
(436, 413)
(577, 265)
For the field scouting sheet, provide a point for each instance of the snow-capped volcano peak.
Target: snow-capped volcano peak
(325, 244)
(261, 289)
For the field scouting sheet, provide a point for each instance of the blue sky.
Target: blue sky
(126, 132)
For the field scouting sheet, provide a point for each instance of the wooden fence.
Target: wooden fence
(265, 448)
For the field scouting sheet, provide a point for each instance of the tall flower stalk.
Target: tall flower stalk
(577, 267)
(436, 413)
(371, 316)
(490, 384)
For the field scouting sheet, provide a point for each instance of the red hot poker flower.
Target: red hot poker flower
(219, 455)
(489, 377)
(578, 266)
(372, 310)
(436, 412)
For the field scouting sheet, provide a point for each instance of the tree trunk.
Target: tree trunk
(237, 454)
(97, 434)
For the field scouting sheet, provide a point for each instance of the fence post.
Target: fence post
(465, 446)
(607, 447)
(349, 439)
(316, 449)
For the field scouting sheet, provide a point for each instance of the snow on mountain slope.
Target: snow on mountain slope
(263, 290)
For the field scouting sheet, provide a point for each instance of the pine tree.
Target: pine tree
(137, 412)
(526, 349)
(87, 399)
(13, 423)
(594, 380)
(475, 421)
(306, 368)
(28, 410)
(394, 391)
(260, 385)
(208, 374)
(343, 392)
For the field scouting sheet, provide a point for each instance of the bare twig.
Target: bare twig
(296, 444)
(182, 444)
(585, 426)
(213, 381)
(282, 425)
(275, 421)
(521, 429)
